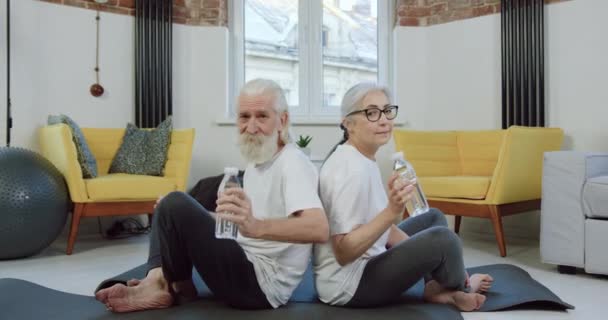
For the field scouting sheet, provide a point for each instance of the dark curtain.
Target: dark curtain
(523, 85)
(153, 66)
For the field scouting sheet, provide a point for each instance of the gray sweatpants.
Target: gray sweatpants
(433, 251)
(183, 236)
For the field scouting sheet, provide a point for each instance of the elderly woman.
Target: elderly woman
(369, 261)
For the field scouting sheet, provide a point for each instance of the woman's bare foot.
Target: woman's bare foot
(467, 301)
(464, 301)
(149, 293)
(480, 283)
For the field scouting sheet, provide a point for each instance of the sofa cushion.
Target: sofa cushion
(143, 151)
(479, 151)
(432, 153)
(464, 187)
(595, 197)
(596, 259)
(120, 186)
(88, 164)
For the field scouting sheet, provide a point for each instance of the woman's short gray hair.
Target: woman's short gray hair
(354, 96)
(266, 87)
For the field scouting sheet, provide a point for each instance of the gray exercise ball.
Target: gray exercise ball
(33, 203)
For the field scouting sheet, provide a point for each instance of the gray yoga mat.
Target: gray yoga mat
(512, 287)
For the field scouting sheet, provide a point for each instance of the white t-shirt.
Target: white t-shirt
(353, 194)
(278, 188)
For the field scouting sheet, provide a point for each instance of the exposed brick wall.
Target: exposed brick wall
(190, 12)
(431, 12)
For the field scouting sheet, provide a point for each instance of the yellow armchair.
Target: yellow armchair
(117, 193)
(484, 174)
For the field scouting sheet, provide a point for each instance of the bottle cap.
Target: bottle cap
(231, 171)
(397, 156)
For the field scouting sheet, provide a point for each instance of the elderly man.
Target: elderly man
(278, 213)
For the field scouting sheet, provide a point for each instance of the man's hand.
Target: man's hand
(235, 201)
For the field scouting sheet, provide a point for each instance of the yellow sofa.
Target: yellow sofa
(485, 174)
(113, 194)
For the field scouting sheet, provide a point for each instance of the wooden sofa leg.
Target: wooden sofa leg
(457, 220)
(76, 215)
(497, 222)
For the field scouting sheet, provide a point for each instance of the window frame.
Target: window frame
(310, 33)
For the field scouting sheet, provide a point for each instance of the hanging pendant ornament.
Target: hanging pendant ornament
(96, 89)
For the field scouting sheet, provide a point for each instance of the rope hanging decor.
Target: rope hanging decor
(96, 88)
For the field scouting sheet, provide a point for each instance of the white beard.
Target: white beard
(258, 148)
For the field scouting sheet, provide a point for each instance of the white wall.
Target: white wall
(448, 78)
(2, 75)
(577, 68)
(53, 56)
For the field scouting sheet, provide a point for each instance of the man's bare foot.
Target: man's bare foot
(133, 282)
(121, 298)
(186, 290)
(480, 283)
(464, 301)
(149, 293)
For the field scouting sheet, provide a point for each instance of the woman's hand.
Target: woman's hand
(235, 201)
(160, 198)
(399, 192)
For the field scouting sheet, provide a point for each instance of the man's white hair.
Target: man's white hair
(265, 87)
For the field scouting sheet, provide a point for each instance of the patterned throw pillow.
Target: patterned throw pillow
(87, 161)
(143, 151)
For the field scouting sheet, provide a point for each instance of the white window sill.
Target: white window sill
(223, 121)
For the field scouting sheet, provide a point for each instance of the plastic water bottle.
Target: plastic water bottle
(225, 229)
(418, 204)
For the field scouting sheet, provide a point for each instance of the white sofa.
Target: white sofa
(574, 211)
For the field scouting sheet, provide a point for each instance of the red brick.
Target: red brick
(409, 2)
(53, 1)
(179, 20)
(401, 11)
(209, 14)
(496, 8)
(417, 12)
(459, 4)
(407, 21)
(127, 4)
(482, 11)
(211, 4)
(76, 3)
(181, 12)
(439, 8)
(461, 14)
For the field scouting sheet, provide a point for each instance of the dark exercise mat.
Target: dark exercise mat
(512, 287)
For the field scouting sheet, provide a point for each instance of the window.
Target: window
(314, 49)
(325, 39)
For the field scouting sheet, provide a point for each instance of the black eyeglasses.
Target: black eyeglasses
(373, 113)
